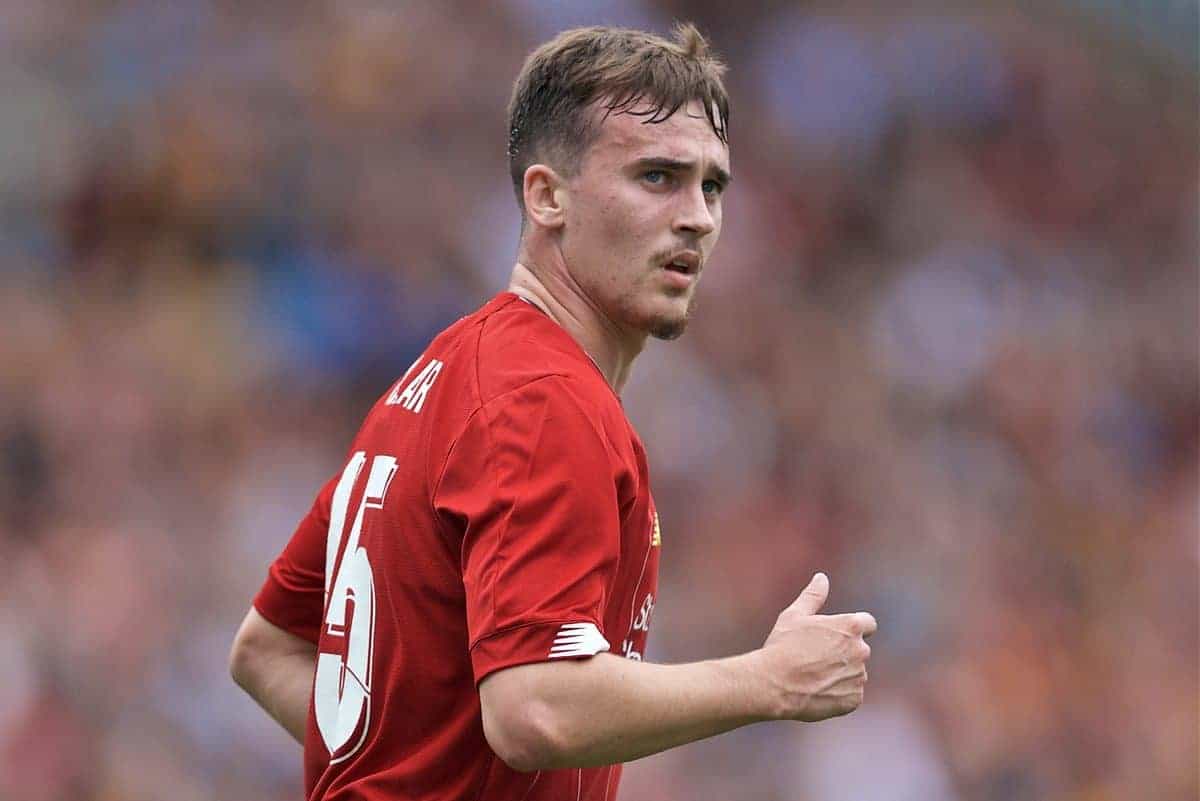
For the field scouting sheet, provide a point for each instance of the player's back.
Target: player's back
(439, 509)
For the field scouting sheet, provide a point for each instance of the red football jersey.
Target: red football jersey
(495, 510)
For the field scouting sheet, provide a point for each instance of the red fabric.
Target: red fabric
(518, 503)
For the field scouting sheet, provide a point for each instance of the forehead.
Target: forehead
(685, 136)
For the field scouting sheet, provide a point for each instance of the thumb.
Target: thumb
(812, 598)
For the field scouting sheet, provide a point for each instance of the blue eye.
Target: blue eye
(652, 175)
(712, 187)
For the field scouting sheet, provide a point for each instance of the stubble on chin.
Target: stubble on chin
(668, 330)
(671, 329)
(663, 326)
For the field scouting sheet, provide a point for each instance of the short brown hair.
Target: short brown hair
(548, 115)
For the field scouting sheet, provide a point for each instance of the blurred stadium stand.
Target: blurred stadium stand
(946, 352)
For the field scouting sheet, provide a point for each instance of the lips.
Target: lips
(686, 262)
(676, 279)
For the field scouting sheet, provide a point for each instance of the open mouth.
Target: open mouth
(686, 263)
(680, 276)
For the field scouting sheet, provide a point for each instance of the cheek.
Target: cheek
(631, 221)
(618, 233)
(614, 211)
(611, 236)
(601, 221)
(617, 238)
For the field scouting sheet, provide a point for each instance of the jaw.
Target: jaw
(651, 311)
(673, 326)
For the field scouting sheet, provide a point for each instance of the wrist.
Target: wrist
(760, 695)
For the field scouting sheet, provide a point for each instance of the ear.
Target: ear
(545, 196)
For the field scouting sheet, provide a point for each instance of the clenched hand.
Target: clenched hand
(815, 666)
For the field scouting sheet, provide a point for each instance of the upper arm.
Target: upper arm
(510, 706)
(533, 486)
(258, 642)
(522, 708)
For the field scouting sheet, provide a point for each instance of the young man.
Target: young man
(467, 602)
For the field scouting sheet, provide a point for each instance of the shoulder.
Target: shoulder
(507, 361)
(519, 346)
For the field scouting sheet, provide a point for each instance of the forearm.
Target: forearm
(607, 709)
(276, 669)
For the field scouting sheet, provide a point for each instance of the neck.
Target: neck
(612, 348)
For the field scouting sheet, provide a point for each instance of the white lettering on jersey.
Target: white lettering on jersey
(342, 685)
(413, 396)
(394, 397)
(640, 623)
(643, 619)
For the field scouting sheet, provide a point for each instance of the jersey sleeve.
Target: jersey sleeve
(293, 596)
(532, 485)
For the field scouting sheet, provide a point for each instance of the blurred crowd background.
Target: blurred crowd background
(946, 352)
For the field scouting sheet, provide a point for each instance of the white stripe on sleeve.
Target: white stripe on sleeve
(578, 639)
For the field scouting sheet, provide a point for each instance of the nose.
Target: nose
(695, 215)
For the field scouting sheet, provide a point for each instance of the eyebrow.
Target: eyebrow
(675, 164)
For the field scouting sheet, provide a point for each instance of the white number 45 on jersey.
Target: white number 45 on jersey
(342, 690)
